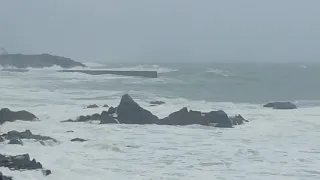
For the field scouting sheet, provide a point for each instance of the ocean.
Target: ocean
(275, 144)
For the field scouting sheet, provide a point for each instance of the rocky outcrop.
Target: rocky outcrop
(129, 112)
(280, 105)
(186, 117)
(77, 140)
(6, 115)
(19, 162)
(37, 61)
(46, 172)
(27, 134)
(106, 105)
(3, 177)
(92, 106)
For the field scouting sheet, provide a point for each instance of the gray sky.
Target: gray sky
(163, 30)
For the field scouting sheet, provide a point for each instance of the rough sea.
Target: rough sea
(275, 144)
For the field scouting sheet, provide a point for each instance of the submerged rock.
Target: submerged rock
(19, 162)
(129, 112)
(280, 105)
(92, 106)
(37, 61)
(27, 134)
(46, 172)
(78, 140)
(6, 115)
(155, 103)
(238, 120)
(15, 141)
(3, 177)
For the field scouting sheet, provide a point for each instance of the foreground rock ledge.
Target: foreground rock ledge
(130, 112)
(6, 115)
(3, 177)
(280, 105)
(19, 162)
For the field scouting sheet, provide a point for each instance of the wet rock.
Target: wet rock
(106, 105)
(27, 134)
(69, 131)
(1, 139)
(19, 162)
(106, 118)
(280, 105)
(78, 140)
(15, 141)
(42, 143)
(112, 110)
(129, 112)
(183, 117)
(92, 106)
(155, 103)
(46, 172)
(3, 177)
(6, 115)
(218, 119)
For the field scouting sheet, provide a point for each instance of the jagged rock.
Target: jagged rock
(106, 105)
(78, 140)
(155, 103)
(106, 118)
(185, 117)
(218, 119)
(15, 141)
(92, 106)
(37, 61)
(10, 116)
(3, 177)
(27, 134)
(129, 112)
(19, 162)
(281, 105)
(46, 172)
(112, 110)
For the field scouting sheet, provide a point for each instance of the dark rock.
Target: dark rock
(42, 143)
(112, 110)
(78, 140)
(154, 103)
(46, 172)
(183, 117)
(37, 61)
(19, 162)
(10, 116)
(92, 106)
(281, 105)
(218, 118)
(15, 141)
(27, 134)
(106, 118)
(1, 139)
(106, 105)
(3, 177)
(129, 112)
(69, 131)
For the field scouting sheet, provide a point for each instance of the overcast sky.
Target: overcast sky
(164, 30)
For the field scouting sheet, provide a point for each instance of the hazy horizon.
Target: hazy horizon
(164, 31)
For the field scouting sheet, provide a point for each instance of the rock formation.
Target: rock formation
(6, 115)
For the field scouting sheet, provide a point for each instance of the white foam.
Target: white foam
(218, 72)
(142, 67)
(276, 144)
